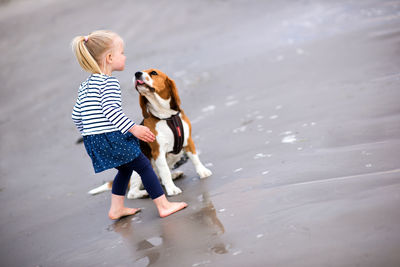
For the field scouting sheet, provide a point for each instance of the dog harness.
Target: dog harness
(175, 123)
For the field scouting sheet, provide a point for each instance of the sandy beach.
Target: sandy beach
(294, 107)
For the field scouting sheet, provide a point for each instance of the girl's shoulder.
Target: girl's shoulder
(103, 83)
(103, 78)
(94, 81)
(99, 82)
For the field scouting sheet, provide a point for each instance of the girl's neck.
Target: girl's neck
(106, 70)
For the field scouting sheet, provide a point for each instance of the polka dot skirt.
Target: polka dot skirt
(110, 150)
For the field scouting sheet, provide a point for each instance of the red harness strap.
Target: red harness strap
(175, 123)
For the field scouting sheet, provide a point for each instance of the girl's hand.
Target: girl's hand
(143, 133)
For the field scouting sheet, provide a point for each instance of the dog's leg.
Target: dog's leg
(174, 175)
(190, 149)
(165, 175)
(172, 159)
(135, 190)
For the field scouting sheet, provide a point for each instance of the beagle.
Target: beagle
(163, 115)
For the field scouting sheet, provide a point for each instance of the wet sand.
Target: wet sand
(295, 109)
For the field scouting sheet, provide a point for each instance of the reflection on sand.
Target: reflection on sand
(175, 235)
(207, 215)
(127, 231)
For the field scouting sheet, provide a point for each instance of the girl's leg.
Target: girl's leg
(120, 184)
(152, 185)
(166, 208)
(118, 210)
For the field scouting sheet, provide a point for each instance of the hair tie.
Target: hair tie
(86, 38)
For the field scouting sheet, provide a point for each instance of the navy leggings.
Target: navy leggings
(143, 167)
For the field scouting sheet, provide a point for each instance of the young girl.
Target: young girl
(110, 137)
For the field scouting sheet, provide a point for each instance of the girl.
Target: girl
(110, 137)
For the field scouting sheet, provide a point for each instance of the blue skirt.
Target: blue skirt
(110, 150)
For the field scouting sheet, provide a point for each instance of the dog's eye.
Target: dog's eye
(153, 73)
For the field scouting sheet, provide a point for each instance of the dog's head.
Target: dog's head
(153, 81)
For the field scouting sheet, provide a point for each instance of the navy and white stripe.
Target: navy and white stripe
(98, 107)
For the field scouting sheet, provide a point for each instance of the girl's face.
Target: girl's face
(118, 57)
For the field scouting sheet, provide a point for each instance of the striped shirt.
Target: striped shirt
(98, 106)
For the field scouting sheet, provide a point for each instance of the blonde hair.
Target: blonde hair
(90, 50)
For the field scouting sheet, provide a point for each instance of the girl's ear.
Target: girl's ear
(108, 58)
(143, 102)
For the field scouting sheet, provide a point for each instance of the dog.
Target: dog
(163, 115)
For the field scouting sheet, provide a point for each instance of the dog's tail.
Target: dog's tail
(105, 187)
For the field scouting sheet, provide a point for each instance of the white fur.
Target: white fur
(202, 171)
(159, 107)
(101, 188)
(136, 188)
(165, 175)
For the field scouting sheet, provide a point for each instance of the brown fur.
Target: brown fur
(150, 122)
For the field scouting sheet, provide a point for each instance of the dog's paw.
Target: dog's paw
(177, 174)
(173, 190)
(133, 194)
(204, 173)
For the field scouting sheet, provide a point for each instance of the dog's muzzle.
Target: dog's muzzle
(138, 81)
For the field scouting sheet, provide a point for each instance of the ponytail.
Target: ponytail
(90, 50)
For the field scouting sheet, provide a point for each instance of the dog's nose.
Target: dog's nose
(138, 74)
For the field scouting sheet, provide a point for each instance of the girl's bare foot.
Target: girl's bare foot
(117, 209)
(173, 207)
(166, 208)
(119, 213)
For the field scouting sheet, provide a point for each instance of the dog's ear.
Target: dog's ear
(143, 104)
(175, 100)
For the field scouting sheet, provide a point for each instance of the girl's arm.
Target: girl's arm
(76, 116)
(111, 105)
